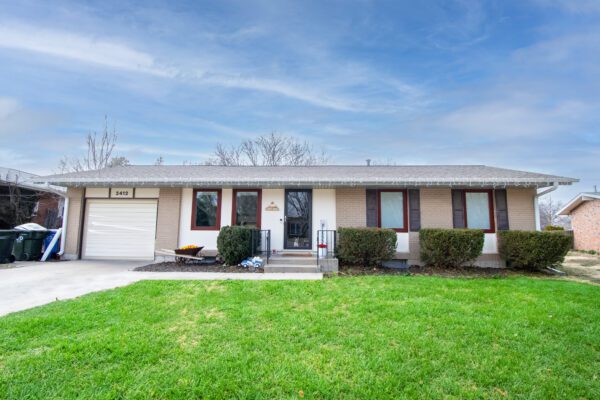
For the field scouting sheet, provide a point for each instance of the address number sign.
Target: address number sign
(121, 193)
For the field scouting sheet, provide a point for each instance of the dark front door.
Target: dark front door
(298, 215)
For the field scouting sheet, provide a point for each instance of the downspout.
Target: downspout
(536, 205)
(64, 227)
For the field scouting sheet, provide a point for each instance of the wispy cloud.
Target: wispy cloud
(511, 120)
(574, 6)
(305, 94)
(118, 55)
(15, 119)
(97, 51)
(8, 106)
(578, 50)
(136, 149)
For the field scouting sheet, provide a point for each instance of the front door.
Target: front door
(298, 215)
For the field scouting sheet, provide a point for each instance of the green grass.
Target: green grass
(364, 337)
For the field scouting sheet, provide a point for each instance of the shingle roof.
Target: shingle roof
(576, 202)
(314, 176)
(26, 180)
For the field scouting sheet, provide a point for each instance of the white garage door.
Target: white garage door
(120, 229)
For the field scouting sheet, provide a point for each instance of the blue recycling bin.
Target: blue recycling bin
(48, 239)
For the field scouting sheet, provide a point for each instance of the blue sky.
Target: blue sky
(506, 83)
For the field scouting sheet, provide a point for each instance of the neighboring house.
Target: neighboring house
(129, 212)
(584, 211)
(23, 201)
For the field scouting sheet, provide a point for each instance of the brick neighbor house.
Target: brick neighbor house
(23, 201)
(584, 211)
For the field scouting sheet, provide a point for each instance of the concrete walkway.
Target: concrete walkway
(29, 284)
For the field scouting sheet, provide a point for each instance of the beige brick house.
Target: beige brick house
(131, 212)
(585, 220)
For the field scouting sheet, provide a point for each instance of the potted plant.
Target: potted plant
(189, 250)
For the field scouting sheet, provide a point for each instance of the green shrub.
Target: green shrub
(534, 250)
(450, 247)
(234, 244)
(366, 246)
(553, 228)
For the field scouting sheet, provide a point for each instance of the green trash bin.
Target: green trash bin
(28, 245)
(7, 239)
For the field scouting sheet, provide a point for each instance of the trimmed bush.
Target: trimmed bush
(450, 247)
(553, 228)
(366, 246)
(534, 250)
(234, 244)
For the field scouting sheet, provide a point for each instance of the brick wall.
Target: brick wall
(436, 208)
(48, 203)
(167, 219)
(586, 225)
(521, 212)
(351, 207)
(74, 220)
(413, 256)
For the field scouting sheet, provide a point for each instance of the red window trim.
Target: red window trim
(490, 193)
(206, 228)
(404, 207)
(259, 205)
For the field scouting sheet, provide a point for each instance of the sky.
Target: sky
(513, 84)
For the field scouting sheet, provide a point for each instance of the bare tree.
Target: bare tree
(271, 150)
(159, 161)
(549, 213)
(99, 154)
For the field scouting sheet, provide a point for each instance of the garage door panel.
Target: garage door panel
(120, 229)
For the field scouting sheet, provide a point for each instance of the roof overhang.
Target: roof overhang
(577, 201)
(38, 187)
(313, 183)
(323, 176)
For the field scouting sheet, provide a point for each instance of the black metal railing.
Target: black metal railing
(326, 244)
(261, 243)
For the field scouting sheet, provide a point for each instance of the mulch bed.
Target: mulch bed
(189, 267)
(353, 270)
(462, 272)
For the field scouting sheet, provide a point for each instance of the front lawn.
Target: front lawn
(362, 337)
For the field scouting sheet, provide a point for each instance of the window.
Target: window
(206, 209)
(246, 208)
(294, 229)
(393, 210)
(479, 210)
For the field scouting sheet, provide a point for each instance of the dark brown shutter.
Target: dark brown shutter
(414, 206)
(458, 208)
(501, 210)
(372, 209)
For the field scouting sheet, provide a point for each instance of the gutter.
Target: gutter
(536, 205)
(63, 237)
(276, 183)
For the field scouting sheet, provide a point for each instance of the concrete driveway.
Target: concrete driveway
(29, 284)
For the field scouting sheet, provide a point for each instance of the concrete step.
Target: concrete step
(291, 268)
(293, 260)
